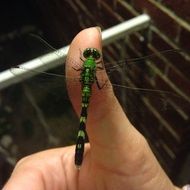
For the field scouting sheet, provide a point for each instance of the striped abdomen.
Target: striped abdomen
(81, 137)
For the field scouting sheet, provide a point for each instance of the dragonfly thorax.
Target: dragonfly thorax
(90, 64)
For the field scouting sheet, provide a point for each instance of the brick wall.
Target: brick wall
(168, 131)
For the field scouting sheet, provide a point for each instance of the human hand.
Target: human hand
(117, 158)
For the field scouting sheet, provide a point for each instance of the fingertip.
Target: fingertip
(89, 37)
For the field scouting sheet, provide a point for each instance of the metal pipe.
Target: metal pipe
(55, 58)
(125, 28)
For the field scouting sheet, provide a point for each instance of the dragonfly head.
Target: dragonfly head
(91, 52)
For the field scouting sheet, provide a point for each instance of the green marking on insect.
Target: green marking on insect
(82, 119)
(87, 78)
(81, 134)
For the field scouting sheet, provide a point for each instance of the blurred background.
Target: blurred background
(36, 114)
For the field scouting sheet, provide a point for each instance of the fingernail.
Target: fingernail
(99, 29)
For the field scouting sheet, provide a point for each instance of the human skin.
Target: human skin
(118, 156)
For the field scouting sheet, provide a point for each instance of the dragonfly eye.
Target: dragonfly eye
(96, 54)
(87, 53)
(91, 52)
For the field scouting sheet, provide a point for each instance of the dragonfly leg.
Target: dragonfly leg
(82, 59)
(98, 84)
(102, 65)
(79, 69)
(100, 68)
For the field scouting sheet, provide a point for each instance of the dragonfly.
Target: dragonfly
(91, 65)
(87, 78)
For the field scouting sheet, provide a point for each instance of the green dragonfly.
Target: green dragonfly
(87, 78)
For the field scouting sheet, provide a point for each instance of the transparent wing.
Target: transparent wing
(146, 89)
(137, 77)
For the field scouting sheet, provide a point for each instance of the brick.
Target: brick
(146, 53)
(166, 111)
(159, 18)
(174, 57)
(158, 42)
(154, 126)
(123, 11)
(171, 142)
(169, 113)
(139, 42)
(184, 39)
(109, 14)
(156, 60)
(96, 14)
(181, 8)
(165, 153)
(181, 82)
(177, 99)
(56, 22)
(180, 63)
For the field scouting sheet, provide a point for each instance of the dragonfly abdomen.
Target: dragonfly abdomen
(86, 93)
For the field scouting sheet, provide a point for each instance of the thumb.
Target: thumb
(110, 132)
(116, 147)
